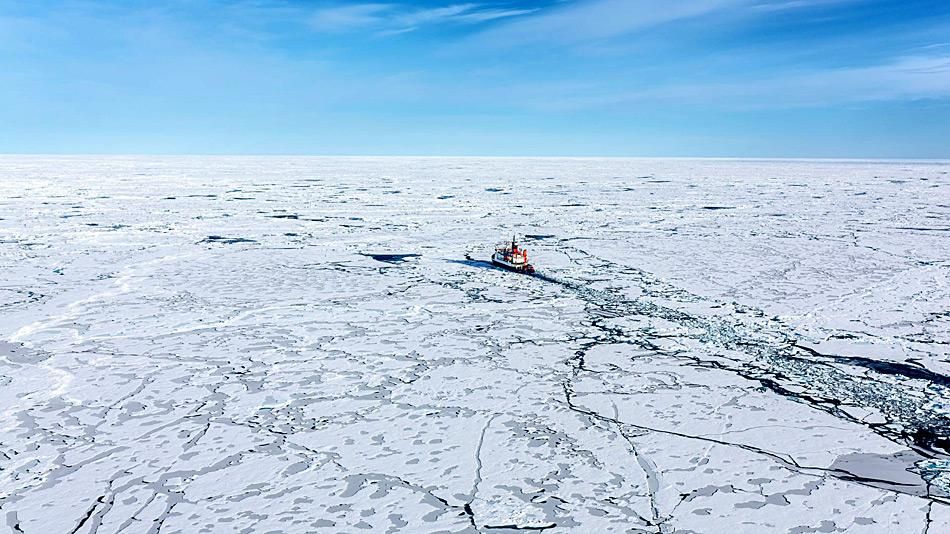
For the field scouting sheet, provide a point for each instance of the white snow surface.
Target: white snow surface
(208, 344)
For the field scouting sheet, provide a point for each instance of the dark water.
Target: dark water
(392, 258)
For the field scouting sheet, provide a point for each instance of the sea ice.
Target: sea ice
(230, 344)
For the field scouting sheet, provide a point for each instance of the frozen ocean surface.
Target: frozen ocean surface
(244, 344)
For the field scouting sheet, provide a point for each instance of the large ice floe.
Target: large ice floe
(320, 345)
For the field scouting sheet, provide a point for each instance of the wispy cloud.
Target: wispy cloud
(909, 78)
(348, 18)
(786, 5)
(393, 19)
(589, 20)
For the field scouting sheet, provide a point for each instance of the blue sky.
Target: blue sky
(742, 78)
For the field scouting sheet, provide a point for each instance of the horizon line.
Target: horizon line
(469, 156)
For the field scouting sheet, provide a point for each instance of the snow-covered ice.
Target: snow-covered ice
(242, 344)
